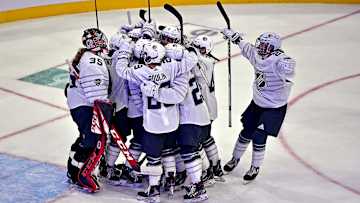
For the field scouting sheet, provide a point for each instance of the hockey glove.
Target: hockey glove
(233, 36)
(125, 50)
(150, 89)
(174, 51)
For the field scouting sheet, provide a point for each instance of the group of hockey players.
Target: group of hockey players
(148, 84)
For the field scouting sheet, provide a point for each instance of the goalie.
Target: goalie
(89, 84)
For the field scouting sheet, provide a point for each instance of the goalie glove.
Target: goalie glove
(150, 89)
(233, 36)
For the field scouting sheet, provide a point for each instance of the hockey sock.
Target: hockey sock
(240, 146)
(168, 161)
(193, 166)
(135, 149)
(153, 169)
(180, 166)
(259, 144)
(204, 159)
(211, 150)
(112, 153)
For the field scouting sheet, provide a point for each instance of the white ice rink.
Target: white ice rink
(316, 158)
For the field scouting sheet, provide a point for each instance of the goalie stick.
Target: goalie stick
(176, 13)
(110, 129)
(227, 20)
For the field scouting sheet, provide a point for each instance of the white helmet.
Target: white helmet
(170, 34)
(139, 47)
(148, 30)
(135, 34)
(116, 40)
(204, 44)
(153, 53)
(267, 42)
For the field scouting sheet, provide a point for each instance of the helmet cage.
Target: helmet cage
(94, 40)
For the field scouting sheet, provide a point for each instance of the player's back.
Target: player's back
(92, 83)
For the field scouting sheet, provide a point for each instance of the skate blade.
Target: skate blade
(245, 182)
(219, 179)
(78, 188)
(148, 199)
(209, 183)
(201, 198)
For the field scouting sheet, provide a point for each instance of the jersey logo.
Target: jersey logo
(260, 80)
(97, 82)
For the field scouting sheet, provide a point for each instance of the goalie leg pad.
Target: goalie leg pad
(90, 157)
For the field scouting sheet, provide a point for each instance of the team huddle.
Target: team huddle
(152, 83)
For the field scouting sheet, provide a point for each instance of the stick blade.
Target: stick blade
(172, 10)
(223, 13)
(142, 14)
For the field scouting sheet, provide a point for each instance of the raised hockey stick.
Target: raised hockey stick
(149, 11)
(223, 13)
(110, 129)
(96, 14)
(176, 13)
(142, 14)
(128, 17)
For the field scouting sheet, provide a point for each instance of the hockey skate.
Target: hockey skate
(169, 185)
(151, 195)
(91, 185)
(218, 172)
(251, 174)
(134, 180)
(195, 193)
(207, 177)
(180, 179)
(229, 166)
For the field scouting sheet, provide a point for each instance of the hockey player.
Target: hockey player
(135, 109)
(274, 73)
(158, 79)
(89, 83)
(119, 97)
(169, 34)
(194, 116)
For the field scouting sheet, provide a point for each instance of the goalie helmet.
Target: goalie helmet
(267, 42)
(169, 34)
(139, 47)
(153, 53)
(115, 40)
(204, 44)
(94, 39)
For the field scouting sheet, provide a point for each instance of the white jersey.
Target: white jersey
(193, 109)
(119, 92)
(204, 74)
(161, 115)
(92, 84)
(273, 76)
(135, 102)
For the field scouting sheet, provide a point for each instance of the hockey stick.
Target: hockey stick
(110, 129)
(96, 14)
(212, 56)
(149, 11)
(223, 13)
(176, 13)
(129, 17)
(142, 14)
